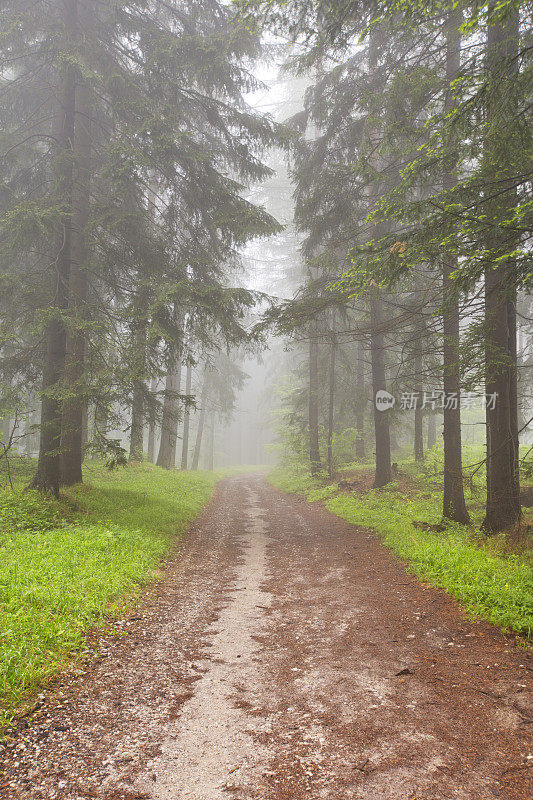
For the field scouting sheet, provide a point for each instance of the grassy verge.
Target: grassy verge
(490, 580)
(65, 565)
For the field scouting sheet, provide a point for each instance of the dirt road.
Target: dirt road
(285, 654)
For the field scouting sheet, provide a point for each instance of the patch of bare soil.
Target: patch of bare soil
(285, 655)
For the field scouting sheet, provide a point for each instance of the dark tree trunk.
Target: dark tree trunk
(383, 473)
(513, 389)
(453, 504)
(171, 404)
(419, 413)
(503, 509)
(381, 418)
(74, 409)
(361, 402)
(521, 363)
(166, 457)
(139, 330)
(331, 406)
(75, 404)
(47, 477)
(201, 423)
(137, 422)
(152, 419)
(432, 431)
(186, 421)
(314, 447)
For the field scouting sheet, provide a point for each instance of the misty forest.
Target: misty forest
(266, 400)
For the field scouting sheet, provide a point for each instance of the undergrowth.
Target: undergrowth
(66, 565)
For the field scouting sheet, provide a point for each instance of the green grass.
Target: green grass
(66, 565)
(491, 581)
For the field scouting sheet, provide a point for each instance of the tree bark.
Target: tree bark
(383, 473)
(75, 404)
(521, 363)
(331, 405)
(419, 413)
(201, 422)
(314, 447)
(137, 422)
(171, 403)
(47, 477)
(139, 332)
(453, 504)
(381, 418)
(361, 402)
(503, 509)
(152, 418)
(166, 457)
(186, 421)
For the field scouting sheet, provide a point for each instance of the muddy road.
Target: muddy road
(284, 654)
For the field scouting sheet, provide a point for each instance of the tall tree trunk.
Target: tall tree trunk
(314, 447)
(139, 331)
(419, 413)
(201, 423)
(75, 404)
(152, 419)
(331, 405)
(521, 362)
(166, 457)
(453, 504)
(377, 344)
(47, 477)
(513, 394)
(186, 421)
(361, 402)
(137, 421)
(171, 403)
(503, 509)
(381, 417)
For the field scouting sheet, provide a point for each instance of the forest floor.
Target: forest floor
(284, 653)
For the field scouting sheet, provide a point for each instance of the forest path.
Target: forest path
(284, 655)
